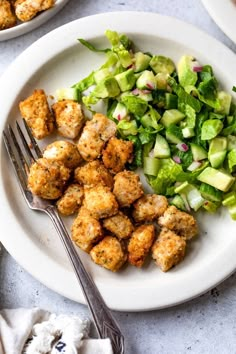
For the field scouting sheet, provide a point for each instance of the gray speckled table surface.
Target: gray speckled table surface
(204, 325)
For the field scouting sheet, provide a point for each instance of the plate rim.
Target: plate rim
(118, 21)
(216, 10)
(25, 27)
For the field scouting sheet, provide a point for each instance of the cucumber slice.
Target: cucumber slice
(172, 116)
(161, 148)
(151, 166)
(146, 81)
(174, 134)
(70, 93)
(141, 61)
(198, 152)
(210, 193)
(192, 194)
(217, 151)
(178, 202)
(171, 101)
(219, 179)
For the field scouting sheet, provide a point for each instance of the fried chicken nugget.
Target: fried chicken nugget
(95, 134)
(63, 151)
(27, 9)
(93, 173)
(140, 244)
(127, 188)
(149, 207)
(100, 202)
(7, 17)
(109, 253)
(183, 224)
(168, 250)
(71, 199)
(36, 112)
(86, 231)
(69, 118)
(119, 225)
(117, 153)
(47, 179)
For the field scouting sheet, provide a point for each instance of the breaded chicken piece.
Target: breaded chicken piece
(149, 207)
(47, 179)
(94, 173)
(71, 199)
(119, 225)
(109, 253)
(168, 250)
(127, 188)
(86, 231)
(7, 17)
(27, 9)
(100, 202)
(69, 118)
(36, 112)
(95, 134)
(140, 244)
(117, 153)
(63, 151)
(180, 222)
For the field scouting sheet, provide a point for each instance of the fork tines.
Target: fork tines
(20, 163)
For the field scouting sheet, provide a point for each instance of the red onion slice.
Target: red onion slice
(182, 147)
(176, 159)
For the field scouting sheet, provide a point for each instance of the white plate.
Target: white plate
(30, 237)
(24, 27)
(223, 13)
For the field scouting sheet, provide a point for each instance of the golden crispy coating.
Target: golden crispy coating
(48, 178)
(127, 188)
(117, 153)
(37, 114)
(63, 151)
(100, 202)
(180, 222)
(119, 224)
(27, 9)
(7, 16)
(140, 244)
(69, 118)
(86, 231)
(71, 199)
(109, 253)
(94, 136)
(168, 250)
(149, 207)
(94, 173)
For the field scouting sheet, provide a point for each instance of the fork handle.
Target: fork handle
(105, 323)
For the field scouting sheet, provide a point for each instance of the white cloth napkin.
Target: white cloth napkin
(35, 331)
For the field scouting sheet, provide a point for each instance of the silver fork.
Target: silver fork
(104, 322)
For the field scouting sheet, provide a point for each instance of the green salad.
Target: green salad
(182, 124)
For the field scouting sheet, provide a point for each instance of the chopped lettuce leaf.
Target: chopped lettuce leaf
(126, 128)
(190, 116)
(167, 175)
(135, 104)
(232, 160)
(146, 135)
(185, 72)
(85, 83)
(184, 97)
(91, 47)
